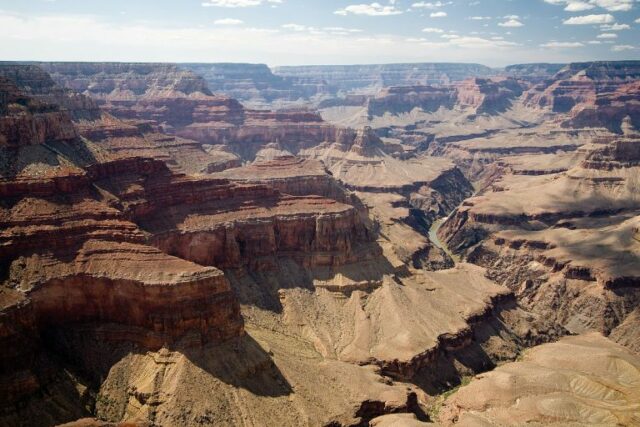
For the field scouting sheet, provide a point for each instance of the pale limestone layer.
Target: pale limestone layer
(577, 381)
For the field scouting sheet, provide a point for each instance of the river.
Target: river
(433, 236)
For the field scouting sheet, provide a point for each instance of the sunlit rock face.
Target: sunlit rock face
(593, 94)
(171, 255)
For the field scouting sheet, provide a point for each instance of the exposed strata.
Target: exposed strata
(290, 175)
(120, 229)
(95, 268)
(368, 77)
(255, 84)
(473, 96)
(563, 241)
(594, 94)
(324, 288)
(404, 196)
(176, 101)
(563, 383)
(534, 73)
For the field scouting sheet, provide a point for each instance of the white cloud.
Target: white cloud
(73, 37)
(582, 5)
(480, 18)
(607, 36)
(228, 21)
(578, 6)
(438, 14)
(335, 31)
(373, 9)
(622, 47)
(562, 45)
(590, 19)
(615, 27)
(294, 27)
(432, 30)
(637, 21)
(479, 42)
(428, 5)
(342, 30)
(237, 3)
(594, 42)
(511, 23)
(614, 5)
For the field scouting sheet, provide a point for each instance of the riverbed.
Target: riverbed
(433, 237)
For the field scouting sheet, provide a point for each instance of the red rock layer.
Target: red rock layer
(597, 94)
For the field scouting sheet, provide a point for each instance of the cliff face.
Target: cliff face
(99, 246)
(398, 100)
(544, 236)
(257, 85)
(535, 73)
(350, 77)
(253, 83)
(490, 96)
(178, 102)
(71, 256)
(161, 244)
(595, 94)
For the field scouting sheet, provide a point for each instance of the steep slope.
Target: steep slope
(570, 250)
(592, 94)
(562, 384)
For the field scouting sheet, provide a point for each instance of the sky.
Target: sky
(301, 32)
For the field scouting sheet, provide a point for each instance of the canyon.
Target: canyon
(404, 244)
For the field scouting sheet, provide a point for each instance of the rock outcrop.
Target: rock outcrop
(593, 94)
(375, 76)
(161, 243)
(564, 242)
(555, 384)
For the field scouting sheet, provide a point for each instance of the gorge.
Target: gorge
(388, 245)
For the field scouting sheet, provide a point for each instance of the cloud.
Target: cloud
(294, 27)
(74, 37)
(373, 9)
(562, 45)
(582, 5)
(614, 5)
(590, 19)
(578, 6)
(335, 31)
(607, 36)
(479, 42)
(432, 30)
(228, 21)
(479, 18)
(237, 3)
(622, 47)
(511, 23)
(438, 14)
(615, 27)
(429, 5)
(637, 21)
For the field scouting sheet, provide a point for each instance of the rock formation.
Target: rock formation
(597, 94)
(570, 249)
(162, 242)
(368, 77)
(554, 384)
